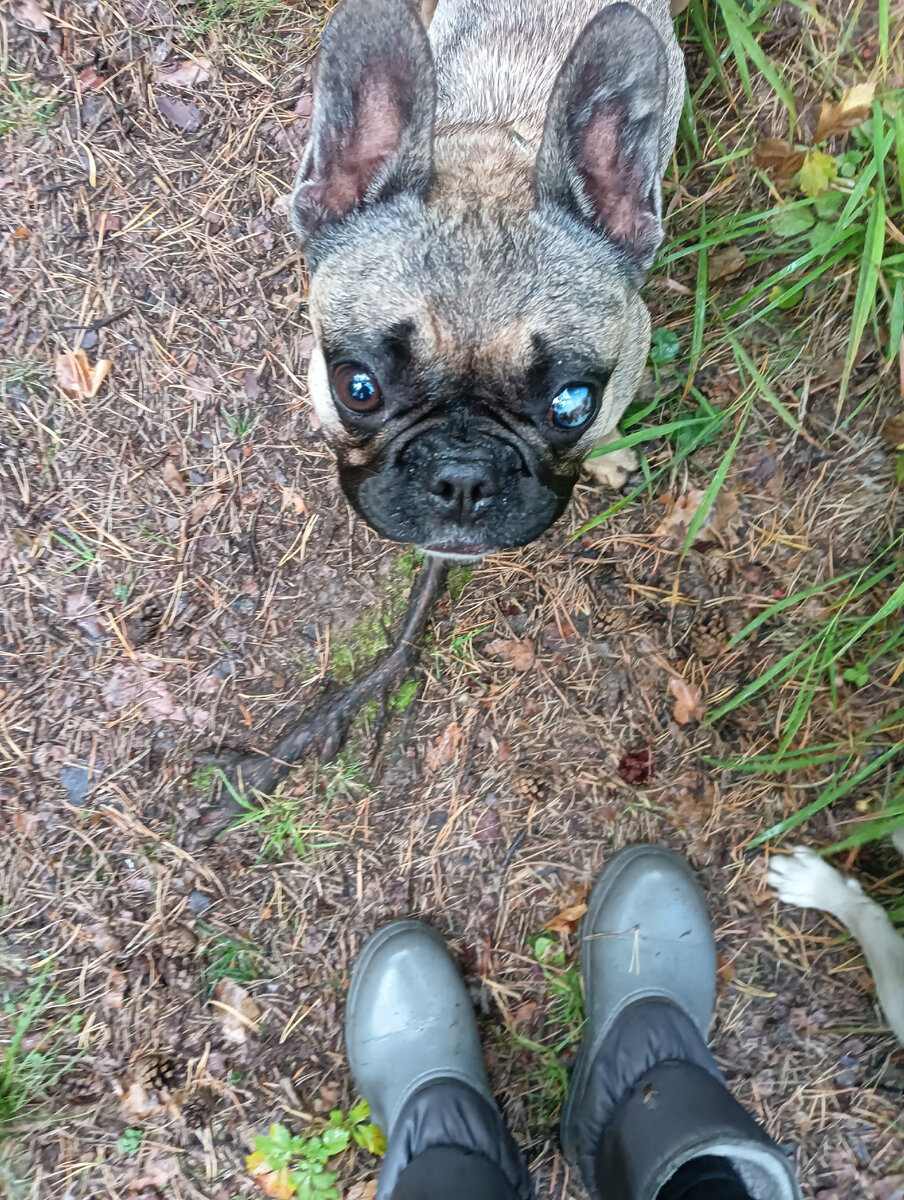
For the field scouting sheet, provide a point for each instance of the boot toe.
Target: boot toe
(409, 1020)
(646, 933)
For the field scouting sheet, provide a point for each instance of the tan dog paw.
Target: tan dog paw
(611, 470)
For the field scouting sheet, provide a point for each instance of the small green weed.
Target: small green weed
(129, 1141)
(229, 957)
(35, 1055)
(300, 1162)
(240, 424)
(548, 1079)
(204, 778)
(253, 15)
(280, 819)
(22, 104)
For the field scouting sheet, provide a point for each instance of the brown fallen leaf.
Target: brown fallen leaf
(187, 73)
(132, 686)
(138, 1103)
(688, 701)
(852, 109)
(30, 14)
(567, 920)
(157, 1171)
(25, 823)
(89, 79)
(893, 431)
(173, 478)
(76, 377)
(204, 505)
(186, 117)
(517, 651)
(445, 747)
(725, 263)
(362, 1191)
(778, 157)
(237, 1012)
(680, 513)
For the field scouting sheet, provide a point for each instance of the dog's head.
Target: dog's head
(474, 316)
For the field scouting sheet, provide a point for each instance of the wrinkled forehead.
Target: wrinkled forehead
(471, 291)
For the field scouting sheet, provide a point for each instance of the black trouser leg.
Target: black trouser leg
(450, 1143)
(450, 1173)
(705, 1178)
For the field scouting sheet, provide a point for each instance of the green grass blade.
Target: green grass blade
(828, 797)
(714, 486)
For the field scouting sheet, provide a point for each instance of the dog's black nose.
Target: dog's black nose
(462, 487)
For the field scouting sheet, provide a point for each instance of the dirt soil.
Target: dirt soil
(180, 570)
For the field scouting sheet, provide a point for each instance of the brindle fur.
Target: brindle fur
(465, 248)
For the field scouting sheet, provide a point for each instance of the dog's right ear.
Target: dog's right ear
(372, 120)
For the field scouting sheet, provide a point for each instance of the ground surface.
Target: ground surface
(179, 569)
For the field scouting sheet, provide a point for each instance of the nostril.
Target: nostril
(445, 491)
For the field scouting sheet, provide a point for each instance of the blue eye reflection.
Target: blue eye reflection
(573, 406)
(361, 388)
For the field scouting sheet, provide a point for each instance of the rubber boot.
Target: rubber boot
(646, 1097)
(415, 1056)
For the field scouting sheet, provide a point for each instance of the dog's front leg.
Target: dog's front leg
(803, 878)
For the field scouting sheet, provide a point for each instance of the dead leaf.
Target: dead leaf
(306, 346)
(362, 1191)
(304, 105)
(30, 14)
(852, 109)
(445, 747)
(567, 920)
(237, 1012)
(20, 234)
(185, 74)
(518, 652)
(25, 823)
(204, 505)
(89, 79)
(132, 686)
(76, 378)
(137, 1103)
(107, 222)
(114, 996)
(157, 1170)
(173, 478)
(680, 514)
(725, 263)
(779, 158)
(294, 500)
(893, 431)
(277, 1184)
(688, 701)
(186, 117)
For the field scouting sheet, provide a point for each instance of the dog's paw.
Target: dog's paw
(804, 879)
(611, 470)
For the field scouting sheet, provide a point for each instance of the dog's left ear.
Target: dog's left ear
(372, 120)
(600, 152)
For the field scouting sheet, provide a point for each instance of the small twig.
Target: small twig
(323, 730)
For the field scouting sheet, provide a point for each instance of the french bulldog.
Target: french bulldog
(478, 204)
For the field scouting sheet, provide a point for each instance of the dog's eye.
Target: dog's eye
(573, 406)
(355, 388)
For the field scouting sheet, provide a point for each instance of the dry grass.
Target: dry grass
(142, 626)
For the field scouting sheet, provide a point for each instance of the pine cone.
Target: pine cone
(717, 567)
(709, 634)
(158, 1072)
(529, 785)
